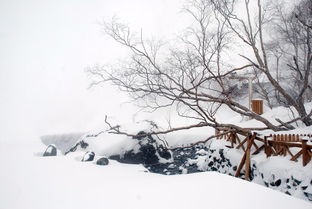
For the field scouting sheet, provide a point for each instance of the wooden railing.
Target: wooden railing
(280, 144)
(275, 144)
(289, 137)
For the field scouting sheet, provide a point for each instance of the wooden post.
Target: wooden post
(306, 157)
(247, 163)
(246, 158)
(217, 132)
(283, 139)
(267, 148)
(297, 138)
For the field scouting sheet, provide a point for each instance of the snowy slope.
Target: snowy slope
(29, 181)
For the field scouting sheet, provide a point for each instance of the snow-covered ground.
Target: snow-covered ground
(29, 181)
(44, 51)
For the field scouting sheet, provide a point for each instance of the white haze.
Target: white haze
(45, 45)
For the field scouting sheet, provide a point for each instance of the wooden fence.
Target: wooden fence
(280, 144)
(275, 144)
(288, 137)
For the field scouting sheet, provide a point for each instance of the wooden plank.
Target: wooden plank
(289, 152)
(258, 150)
(294, 158)
(289, 144)
(242, 143)
(247, 162)
(241, 164)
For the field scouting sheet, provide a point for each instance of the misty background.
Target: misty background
(45, 47)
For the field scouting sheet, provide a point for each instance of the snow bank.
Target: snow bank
(31, 182)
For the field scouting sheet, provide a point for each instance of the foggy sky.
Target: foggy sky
(45, 46)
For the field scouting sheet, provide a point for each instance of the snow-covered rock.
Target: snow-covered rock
(50, 151)
(147, 151)
(89, 156)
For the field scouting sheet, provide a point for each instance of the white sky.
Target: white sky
(45, 46)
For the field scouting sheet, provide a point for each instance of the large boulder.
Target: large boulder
(148, 153)
(102, 161)
(50, 151)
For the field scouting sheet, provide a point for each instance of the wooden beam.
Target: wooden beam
(294, 158)
(241, 164)
(258, 150)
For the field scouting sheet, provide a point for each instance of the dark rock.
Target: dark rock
(146, 155)
(235, 168)
(210, 163)
(164, 153)
(89, 156)
(129, 157)
(304, 187)
(272, 184)
(308, 195)
(50, 151)
(296, 182)
(287, 192)
(149, 154)
(311, 182)
(287, 180)
(83, 144)
(214, 169)
(141, 135)
(266, 184)
(102, 161)
(278, 182)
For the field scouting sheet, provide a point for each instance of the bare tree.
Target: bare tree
(194, 76)
(293, 38)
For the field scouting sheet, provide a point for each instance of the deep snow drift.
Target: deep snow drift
(30, 181)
